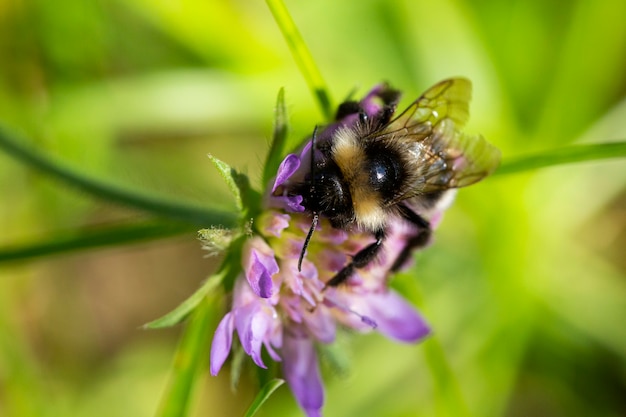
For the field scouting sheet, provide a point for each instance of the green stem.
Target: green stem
(448, 397)
(302, 55)
(190, 360)
(567, 155)
(80, 240)
(159, 206)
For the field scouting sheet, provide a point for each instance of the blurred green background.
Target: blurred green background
(525, 285)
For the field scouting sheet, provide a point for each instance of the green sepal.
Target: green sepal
(216, 240)
(265, 392)
(230, 176)
(278, 147)
(225, 276)
(247, 200)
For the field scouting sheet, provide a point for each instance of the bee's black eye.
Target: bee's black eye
(384, 173)
(378, 173)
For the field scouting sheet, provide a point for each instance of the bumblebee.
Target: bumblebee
(379, 168)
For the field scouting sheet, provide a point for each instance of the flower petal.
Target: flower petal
(293, 203)
(272, 223)
(258, 332)
(290, 164)
(222, 341)
(369, 103)
(252, 326)
(395, 317)
(321, 324)
(259, 266)
(302, 373)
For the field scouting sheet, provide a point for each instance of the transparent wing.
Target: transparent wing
(448, 99)
(439, 155)
(453, 160)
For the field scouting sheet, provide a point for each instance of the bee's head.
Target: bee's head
(324, 192)
(328, 194)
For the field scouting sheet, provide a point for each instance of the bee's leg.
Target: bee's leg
(421, 239)
(418, 241)
(361, 259)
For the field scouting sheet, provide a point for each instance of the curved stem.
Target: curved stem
(159, 206)
(80, 240)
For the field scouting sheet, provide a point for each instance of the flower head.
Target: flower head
(287, 308)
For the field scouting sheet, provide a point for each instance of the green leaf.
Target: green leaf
(267, 390)
(229, 176)
(279, 139)
(302, 56)
(181, 312)
(173, 209)
(226, 274)
(566, 155)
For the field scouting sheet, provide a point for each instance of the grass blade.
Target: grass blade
(302, 55)
(566, 155)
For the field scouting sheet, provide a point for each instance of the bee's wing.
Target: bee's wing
(452, 159)
(439, 155)
(448, 99)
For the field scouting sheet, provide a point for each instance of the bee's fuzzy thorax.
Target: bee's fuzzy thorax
(351, 158)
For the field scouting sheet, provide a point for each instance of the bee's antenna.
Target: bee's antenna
(311, 192)
(313, 140)
(308, 238)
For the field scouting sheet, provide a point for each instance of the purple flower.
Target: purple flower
(288, 310)
(302, 371)
(257, 325)
(259, 265)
